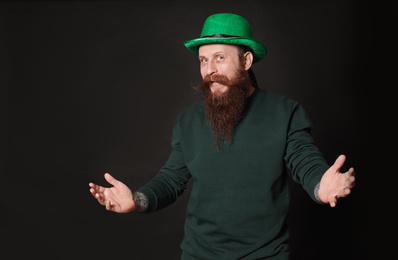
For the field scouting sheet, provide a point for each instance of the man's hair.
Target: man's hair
(242, 49)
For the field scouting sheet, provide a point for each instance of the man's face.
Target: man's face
(219, 60)
(226, 85)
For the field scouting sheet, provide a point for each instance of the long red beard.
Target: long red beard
(224, 110)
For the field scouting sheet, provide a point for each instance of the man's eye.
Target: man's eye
(220, 58)
(203, 60)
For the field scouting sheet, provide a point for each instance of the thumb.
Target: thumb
(339, 162)
(109, 178)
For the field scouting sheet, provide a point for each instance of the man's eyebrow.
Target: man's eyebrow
(218, 53)
(213, 54)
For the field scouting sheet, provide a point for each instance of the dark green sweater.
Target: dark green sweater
(240, 196)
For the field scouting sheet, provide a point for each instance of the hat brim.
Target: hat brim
(258, 48)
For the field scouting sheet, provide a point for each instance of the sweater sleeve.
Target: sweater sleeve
(171, 180)
(302, 155)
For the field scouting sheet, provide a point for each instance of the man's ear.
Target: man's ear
(248, 60)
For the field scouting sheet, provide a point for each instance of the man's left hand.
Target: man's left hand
(334, 184)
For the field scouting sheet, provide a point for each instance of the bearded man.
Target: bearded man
(236, 145)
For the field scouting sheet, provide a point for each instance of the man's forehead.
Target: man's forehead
(209, 49)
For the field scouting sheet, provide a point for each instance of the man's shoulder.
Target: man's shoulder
(195, 108)
(270, 99)
(193, 112)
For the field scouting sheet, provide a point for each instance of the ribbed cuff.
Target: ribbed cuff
(151, 197)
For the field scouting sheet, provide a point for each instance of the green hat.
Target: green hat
(229, 29)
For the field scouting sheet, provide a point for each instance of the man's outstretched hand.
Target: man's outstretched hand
(334, 184)
(118, 198)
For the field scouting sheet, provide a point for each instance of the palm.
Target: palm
(118, 198)
(334, 184)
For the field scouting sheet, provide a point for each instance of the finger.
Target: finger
(92, 191)
(333, 203)
(339, 163)
(349, 173)
(350, 178)
(101, 199)
(109, 205)
(344, 193)
(96, 194)
(351, 183)
(97, 188)
(109, 178)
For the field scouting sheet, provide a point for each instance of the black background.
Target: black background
(95, 87)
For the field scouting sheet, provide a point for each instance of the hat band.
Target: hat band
(220, 36)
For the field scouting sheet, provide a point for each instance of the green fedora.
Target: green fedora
(228, 29)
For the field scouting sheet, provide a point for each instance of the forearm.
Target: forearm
(308, 167)
(161, 191)
(171, 180)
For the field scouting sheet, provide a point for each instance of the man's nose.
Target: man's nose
(211, 68)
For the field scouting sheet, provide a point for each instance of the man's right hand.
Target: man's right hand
(118, 198)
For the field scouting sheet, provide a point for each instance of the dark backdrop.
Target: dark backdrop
(95, 87)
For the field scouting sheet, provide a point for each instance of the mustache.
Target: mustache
(222, 79)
